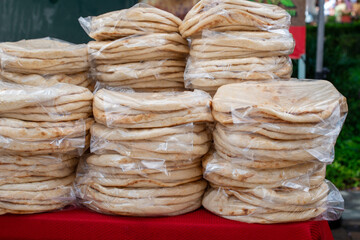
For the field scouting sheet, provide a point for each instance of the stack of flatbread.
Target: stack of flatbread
(44, 62)
(234, 41)
(147, 153)
(272, 143)
(43, 130)
(138, 48)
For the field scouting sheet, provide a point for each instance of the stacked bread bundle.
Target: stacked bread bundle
(148, 149)
(44, 62)
(43, 130)
(272, 143)
(236, 41)
(138, 48)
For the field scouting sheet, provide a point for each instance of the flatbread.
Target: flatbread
(242, 14)
(290, 101)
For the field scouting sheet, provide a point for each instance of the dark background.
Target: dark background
(26, 19)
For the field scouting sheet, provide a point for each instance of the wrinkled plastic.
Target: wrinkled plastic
(44, 120)
(43, 56)
(295, 120)
(234, 44)
(150, 110)
(209, 75)
(138, 20)
(140, 62)
(178, 143)
(120, 185)
(270, 206)
(44, 62)
(36, 184)
(238, 15)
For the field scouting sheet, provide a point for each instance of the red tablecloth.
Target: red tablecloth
(81, 224)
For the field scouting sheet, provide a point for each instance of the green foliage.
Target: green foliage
(287, 3)
(342, 58)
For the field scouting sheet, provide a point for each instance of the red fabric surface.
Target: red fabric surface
(81, 224)
(299, 34)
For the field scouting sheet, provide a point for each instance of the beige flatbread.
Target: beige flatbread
(13, 97)
(124, 134)
(131, 21)
(79, 79)
(259, 176)
(158, 135)
(40, 185)
(233, 208)
(134, 183)
(278, 42)
(213, 157)
(240, 13)
(302, 182)
(290, 101)
(37, 131)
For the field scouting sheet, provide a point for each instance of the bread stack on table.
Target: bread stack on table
(138, 48)
(236, 41)
(43, 130)
(44, 62)
(147, 153)
(272, 143)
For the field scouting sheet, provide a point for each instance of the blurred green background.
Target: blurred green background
(25, 19)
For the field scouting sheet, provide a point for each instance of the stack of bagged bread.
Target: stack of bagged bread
(272, 143)
(236, 41)
(44, 62)
(147, 150)
(138, 48)
(43, 130)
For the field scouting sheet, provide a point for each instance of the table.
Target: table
(82, 224)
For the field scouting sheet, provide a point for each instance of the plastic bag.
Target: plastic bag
(151, 110)
(238, 15)
(281, 205)
(294, 120)
(36, 184)
(178, 143)
(140, 62)
(209, 75)
(139, 20)
(38, 120)
(115, 184)
(44, 62)
(43, 56)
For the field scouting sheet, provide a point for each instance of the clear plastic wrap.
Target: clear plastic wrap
(80, 79)
(44, 120)
(114, 184)
(151, 110)
(140, 62)
(209, 75)
(280, 205)
(139, 20)
(178, 143)
(294, 120)
(36, 184)
(43, 56)
(234, 44)
(244, 173)
(235, 15)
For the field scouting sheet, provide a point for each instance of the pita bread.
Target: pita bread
(158, 135)
(131, 21)
(14, 97)
(213, 157)
(242, 14)
(233, 208)
(301, 182)
(38, 131)
(290, 101)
